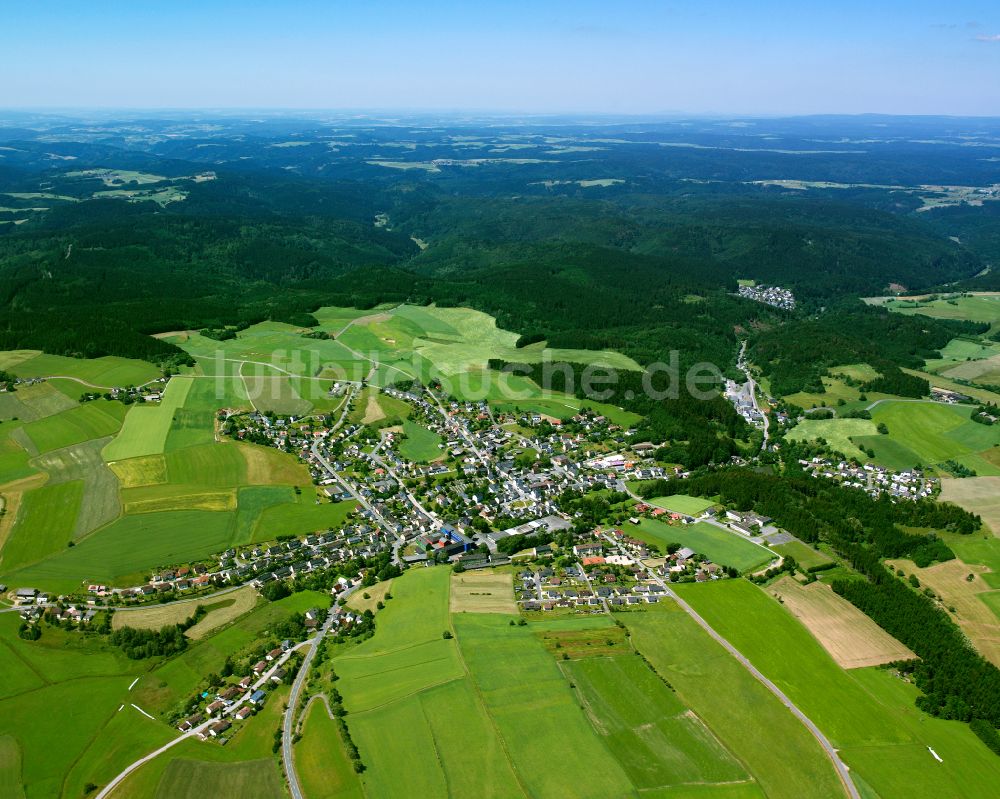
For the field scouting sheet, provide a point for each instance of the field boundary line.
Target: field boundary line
(405, 696)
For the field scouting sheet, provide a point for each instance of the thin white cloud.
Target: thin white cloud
(983, 37)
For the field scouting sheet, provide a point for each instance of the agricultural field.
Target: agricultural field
(221, 610)
(170, 492)
(323, 768)
(308, 512)
(933, 433)
(926, 433)
(838, 433)
(10, 768)
(74, 426)
(681, 503)
(979, 394)
(378, 410)
(560, 406)
(45, 523)
(102, 373)
(979, 307)
(979, 495)
(32, 402)
(419, 444)
(974, 601)
(407, 341)
(500, 716)
(14, 459)
(368, 598)
(851, 638)
(571, 638)
(99, 503)
(224, 610)
(428, 696)
(658, 741)
(145, 470)
(253, 779)
(529, 700)
(483, 591)
(124, 550)
(748, 720)
(146, 426)
(720, 546)
(868, 713)
(71, 690)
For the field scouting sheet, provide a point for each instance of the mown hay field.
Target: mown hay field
(851, 638)
(483, 591)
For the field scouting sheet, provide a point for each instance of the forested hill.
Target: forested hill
(821, 249)
(584, 239)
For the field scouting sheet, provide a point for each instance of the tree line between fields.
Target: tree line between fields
(955, 681)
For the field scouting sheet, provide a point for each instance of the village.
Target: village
(911, 484)
(774, 296)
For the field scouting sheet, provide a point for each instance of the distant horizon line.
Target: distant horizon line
(480, 112)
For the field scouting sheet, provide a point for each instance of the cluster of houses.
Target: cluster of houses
(33, 604)
(775, 296)
(609, 574)
(241, 698)
(875, 480)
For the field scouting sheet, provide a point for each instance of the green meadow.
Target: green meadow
(976, 308)
(120, 499)
(44, 525)
(838, 433)
(804, 555)
(468, 699)
(104, 373)
(146, 426)
(277, 367)
(867, 713)
(926, 433)
(681, 503)
(100, 502)
(658, 741)
(719, 546)
(67, 689)
(92, 420)
(420, 444)
(750, 722)
(930, 433)
(323, 768)
(131, 546)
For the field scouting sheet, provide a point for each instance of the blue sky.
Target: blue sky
(617, 56)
